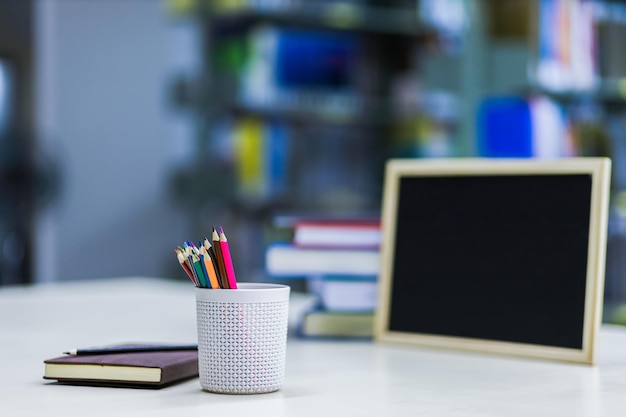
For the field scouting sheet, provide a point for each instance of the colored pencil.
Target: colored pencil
(183, 264)
(205, 273)
(228, 262)
(212, 256)
(208, 265)
(199, 271)
(210, 269)
(220, 260)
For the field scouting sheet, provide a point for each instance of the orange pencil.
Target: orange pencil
(211, 252)
(208, 263)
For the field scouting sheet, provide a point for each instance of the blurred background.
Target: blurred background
(129, 126)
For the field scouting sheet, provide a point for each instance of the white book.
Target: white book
(289, 260)
(346, 293)
(329, 234)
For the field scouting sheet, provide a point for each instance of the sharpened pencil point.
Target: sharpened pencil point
(208, 265)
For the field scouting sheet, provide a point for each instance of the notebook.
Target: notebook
(136, 369)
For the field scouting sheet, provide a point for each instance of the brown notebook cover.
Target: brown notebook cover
(136, 369)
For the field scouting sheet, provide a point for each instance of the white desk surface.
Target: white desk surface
(323, 378)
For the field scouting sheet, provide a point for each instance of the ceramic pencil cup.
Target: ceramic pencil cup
(242, 338)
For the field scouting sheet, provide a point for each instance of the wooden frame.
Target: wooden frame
(598, 169)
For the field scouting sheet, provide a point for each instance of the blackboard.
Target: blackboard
(502, 256)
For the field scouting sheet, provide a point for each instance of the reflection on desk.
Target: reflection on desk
(323, 378)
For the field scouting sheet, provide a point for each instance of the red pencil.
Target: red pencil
(183, 264)
(228, 262)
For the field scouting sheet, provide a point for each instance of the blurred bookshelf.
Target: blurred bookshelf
(299, 103)
(298, 106)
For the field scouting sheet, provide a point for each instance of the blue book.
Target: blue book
(505, 128)
(277, 157)
(314, 59)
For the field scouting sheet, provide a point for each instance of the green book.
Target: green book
(337, 324)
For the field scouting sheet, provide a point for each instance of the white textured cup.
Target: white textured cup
(242, 338)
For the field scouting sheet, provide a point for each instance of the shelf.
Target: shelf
(611, 92)
(367, 116)
(608, 92)
(334, 16)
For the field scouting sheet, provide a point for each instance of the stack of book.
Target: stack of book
(340, 260)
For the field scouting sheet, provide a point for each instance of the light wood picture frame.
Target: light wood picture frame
(503, 256)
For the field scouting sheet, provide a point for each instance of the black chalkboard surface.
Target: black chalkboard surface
(503, 256)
